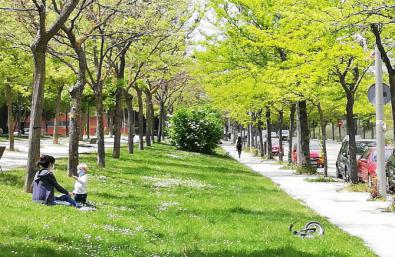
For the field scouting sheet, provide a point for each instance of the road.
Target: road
(332, 148)
(17, 159)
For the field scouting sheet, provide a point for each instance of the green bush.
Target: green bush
(306, 170)
(196, 130)
(321, 179)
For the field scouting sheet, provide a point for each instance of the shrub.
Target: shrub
(196, 130)
(308, 170)
(322, 179)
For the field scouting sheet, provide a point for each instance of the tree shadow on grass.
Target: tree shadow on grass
(29, 251)
(11, 179)
(189, 165)
(129, 197)
(287, 251)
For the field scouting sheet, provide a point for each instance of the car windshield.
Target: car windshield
(388, 153)
(361, 146)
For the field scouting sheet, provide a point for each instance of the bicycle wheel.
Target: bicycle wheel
(314, 228)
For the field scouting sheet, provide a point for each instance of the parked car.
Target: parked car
(276, 148)
(390, 171)
(316, 157)
(284, 134)
(25, 131)
(274, 134)
(343, 158)
(367, 164)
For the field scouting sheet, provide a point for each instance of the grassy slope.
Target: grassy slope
(163, 202)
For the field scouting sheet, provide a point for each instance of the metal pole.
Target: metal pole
(380, 125)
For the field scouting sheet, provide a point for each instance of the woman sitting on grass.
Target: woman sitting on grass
(45, 182)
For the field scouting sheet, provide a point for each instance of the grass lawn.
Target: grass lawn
(164, 202)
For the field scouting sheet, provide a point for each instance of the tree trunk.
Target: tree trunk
(249, 136)
(82, 124)
(57, 112)
(148, 121)
(340, 133)
(352, 148)
(101, 154)
(76, 98)
(333, 131)
(234, 134)
(39, 47)
(280, 140)
(67, 120)
(110, 119)
(35, 114)
(88, 119)
(323, 139)
(131, 132)
(164, 118)
(149, 135)
(152, 118)
(10, 121)
(75, 119)
(291, 131)
(161, 121)
(19, 118)
(392, 89)
(243, 137)
(117, 124)
(260, 136)
(141, 118)
(304, 137)
(256, 137)
(268, 134)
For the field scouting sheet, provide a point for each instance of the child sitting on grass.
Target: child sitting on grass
(80, 186)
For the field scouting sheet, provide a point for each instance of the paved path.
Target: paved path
(17, 159)
(349, 211)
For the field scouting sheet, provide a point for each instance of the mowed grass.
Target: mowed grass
(164, 202)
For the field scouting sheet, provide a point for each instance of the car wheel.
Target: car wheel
(338, 175)
(346, 175)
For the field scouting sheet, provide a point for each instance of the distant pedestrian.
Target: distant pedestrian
(239, 145)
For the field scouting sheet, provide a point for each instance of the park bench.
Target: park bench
(2, 149)
(91, 143)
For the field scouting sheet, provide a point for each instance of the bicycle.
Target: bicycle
(310, 230)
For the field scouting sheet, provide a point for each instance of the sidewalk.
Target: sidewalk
(18, 159)
(349, 211)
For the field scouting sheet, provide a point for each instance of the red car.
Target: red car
(316, 157)
(367, 164)
(276, 149)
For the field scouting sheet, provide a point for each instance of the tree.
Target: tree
(39, 12)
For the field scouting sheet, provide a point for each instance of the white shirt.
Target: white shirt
(81, 184)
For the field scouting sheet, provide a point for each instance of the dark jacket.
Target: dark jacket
(43, 187)
(239, 145)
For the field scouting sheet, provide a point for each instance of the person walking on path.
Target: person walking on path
(239, 145)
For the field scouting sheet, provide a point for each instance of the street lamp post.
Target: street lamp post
(380, 125)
